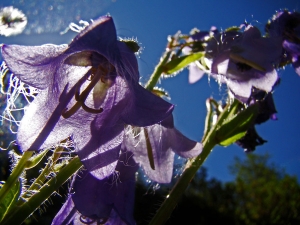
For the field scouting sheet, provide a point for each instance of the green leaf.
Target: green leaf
(233, 139)
(236, 127)
(181, 62)
(10, 199)
(33, 161)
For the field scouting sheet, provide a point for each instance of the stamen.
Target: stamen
(247, 62)
(68, 113)
(149, 149)
(91, 110)
(97, 74)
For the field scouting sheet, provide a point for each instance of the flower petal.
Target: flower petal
(66, 214)
(182, 145)
(116, 191)
(34, 65)
(195, 73)
(100, 36)
(163, 156)
(145, 108)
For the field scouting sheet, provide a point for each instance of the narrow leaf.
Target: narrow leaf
(181, 62)
(236, 127)
(10, 199)
(33, 161)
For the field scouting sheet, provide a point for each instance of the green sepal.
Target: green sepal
(33, 161)
(179, 63)
(236, 127)
(233, 28)
(10, 199)
(160, 92)
(132, 44)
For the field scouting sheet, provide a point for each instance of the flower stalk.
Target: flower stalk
(192, 167)
(22, 212)
(17, 171)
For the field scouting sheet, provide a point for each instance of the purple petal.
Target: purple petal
(195, 73)
(260, 50)
(127, 66)
(182, 145)
(163, 142)
(100, 36)
(220, 64)
(294, 50)
(66, 214)
(34, 65)
(116, 191)
(163, 156)
(296, 65)
(145, 108)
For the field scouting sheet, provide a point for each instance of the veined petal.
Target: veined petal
(182, 145)
(163, 156)
(195, 73)
(66, 214)
(99, 36)
(42, 119)
(127, 66)
(145, 108)
(34, 65)
(114, 192)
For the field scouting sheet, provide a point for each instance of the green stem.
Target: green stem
(26, 209)
(208, 119)
(14, 176)
(158, 71)
(190, 170)
(44, 174)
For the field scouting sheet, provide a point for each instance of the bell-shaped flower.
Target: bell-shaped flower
(111, 200)
(154, 148)
(267, 110)
(106, 201)
(88, 90)
(244, 61)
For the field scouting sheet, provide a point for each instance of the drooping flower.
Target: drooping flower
(111, 200)
(245, 62)
(88, 90)
(162, 141)
(286, 26)
(267, 111)
(242, 60)
(106, 201)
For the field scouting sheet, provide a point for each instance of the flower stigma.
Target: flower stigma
(100, 82)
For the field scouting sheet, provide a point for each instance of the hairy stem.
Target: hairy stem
(14, 176)
(22, 212)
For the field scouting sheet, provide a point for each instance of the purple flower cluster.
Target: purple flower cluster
(90, 90)
(243, 60)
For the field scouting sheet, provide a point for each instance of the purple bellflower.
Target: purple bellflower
(107, 201)
(162, 141)
(88, 90)
(243, 60)
(286, 25)
(267, 111)
(111, 200)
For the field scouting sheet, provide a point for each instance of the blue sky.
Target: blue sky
(151, 22)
